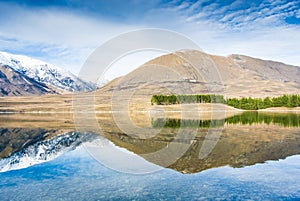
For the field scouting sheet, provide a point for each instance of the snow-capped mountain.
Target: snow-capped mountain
(45, 73)
(13, 83)
(46, 150)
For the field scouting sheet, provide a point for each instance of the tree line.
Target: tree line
(289, 101)
(181, 99)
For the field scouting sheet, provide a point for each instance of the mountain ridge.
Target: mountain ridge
(54, 77)
(14, 83)
(195, 72)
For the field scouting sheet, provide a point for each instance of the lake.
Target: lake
(246, 156)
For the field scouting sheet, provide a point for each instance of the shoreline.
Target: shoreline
(178, 108)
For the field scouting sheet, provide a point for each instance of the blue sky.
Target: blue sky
(65, 32)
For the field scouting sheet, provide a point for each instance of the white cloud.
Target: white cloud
(298, 14)
(256, 31)
(66, 38)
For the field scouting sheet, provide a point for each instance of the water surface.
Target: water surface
(256, 156)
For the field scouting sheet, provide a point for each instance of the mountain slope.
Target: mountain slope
(14, 83)
(191, 71)
(45, 73)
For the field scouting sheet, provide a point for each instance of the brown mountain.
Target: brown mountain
(191, 71)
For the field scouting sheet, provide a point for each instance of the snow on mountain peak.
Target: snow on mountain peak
(45, 73)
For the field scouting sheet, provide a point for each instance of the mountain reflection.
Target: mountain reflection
(242, 140)
(14, 139)
(44, 150)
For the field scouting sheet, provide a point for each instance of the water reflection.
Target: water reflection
(76, 176)
(238, 146)
(246, 118)
(246, 139)
(14, 139)
(44, 150)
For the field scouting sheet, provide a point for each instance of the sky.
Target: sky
(66, 32)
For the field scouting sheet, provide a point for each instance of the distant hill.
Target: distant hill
(48, 78)
(195, 72)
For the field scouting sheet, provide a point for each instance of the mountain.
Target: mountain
(54, 79)
(182, 72)
(192, 71)
(14, 83)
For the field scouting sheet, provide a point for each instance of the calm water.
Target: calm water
(254, 156)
